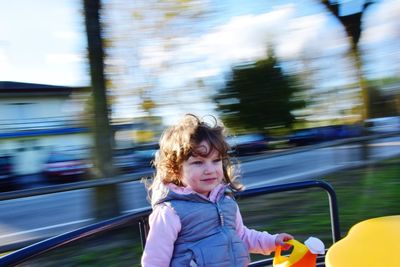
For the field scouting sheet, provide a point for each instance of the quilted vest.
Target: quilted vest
(208, 237)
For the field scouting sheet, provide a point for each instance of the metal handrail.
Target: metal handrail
(333, 207)
(137, 176)
(36, 249)
(141, 217)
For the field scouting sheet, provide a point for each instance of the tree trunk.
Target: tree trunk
(352, 26)
(364, 94)
(106, 199)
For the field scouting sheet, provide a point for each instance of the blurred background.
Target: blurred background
(88, 86)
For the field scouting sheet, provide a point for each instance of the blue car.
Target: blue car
(7, 178)
(248, 144)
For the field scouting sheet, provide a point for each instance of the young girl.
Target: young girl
(195, 221)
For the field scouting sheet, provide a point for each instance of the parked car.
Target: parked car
(133, 159)
(247, 144)
(304, 137)
(6, 173)
(65, 167)
(316, 135)
(349, 131)
(124, 160)
(384, 124)
(144, 158)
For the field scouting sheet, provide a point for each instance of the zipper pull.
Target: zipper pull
(221, 216)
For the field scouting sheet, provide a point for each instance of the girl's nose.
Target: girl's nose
(209, 168)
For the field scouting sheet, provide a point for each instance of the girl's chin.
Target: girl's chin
(206, 189)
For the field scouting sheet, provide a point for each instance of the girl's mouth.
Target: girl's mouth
(209, 180)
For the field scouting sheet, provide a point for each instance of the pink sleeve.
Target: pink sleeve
(257, 242)
(164, 228)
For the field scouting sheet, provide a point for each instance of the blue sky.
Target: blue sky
(44, 41)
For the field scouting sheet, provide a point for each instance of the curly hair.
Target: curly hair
(180, 141)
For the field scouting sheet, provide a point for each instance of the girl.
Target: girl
(195, 221)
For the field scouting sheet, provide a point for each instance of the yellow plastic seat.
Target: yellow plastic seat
(370, 243)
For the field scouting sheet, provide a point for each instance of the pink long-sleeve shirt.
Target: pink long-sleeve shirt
(165, 226)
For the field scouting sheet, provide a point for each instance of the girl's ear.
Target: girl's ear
(181, 180)
(179, 176)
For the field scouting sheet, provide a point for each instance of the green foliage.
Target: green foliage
(258, 96)
(381, 105)
(362, 193)
(118, 248)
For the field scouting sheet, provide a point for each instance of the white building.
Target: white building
(36, 119)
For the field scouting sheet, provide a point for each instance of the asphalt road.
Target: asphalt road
(42, 216)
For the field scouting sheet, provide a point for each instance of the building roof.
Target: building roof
(20, 88)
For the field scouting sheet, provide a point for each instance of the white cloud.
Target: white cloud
(377, 33)
(63, 58)
(42, 42)
(245, 38)
(66, 35)
(383, 23)
(57, 71)
(310, 34)
(153, 56)
(3, 61)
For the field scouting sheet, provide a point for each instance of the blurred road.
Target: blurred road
(47, 215)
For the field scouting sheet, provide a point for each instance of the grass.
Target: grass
(362, 193)
(117, 248)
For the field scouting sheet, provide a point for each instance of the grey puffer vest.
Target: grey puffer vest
(208, 237)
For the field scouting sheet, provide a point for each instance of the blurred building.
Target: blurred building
(37, 119)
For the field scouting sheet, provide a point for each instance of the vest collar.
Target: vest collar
(171, 191)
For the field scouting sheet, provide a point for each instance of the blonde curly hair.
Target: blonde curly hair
(180, 141)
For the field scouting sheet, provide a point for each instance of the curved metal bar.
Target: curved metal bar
(141, 217)
(333, 207)
(46, 245)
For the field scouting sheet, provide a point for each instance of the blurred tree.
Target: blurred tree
(352, 24)
(144, 42)
(381, 105)
(259, 96)
(106, 198)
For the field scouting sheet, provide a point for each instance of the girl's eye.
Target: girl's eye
(217, 160)
(197, 162)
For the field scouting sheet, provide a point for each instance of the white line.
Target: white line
(137, 210)
(309, 174)
(45, 228)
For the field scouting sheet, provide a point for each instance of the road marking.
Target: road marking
(287, 178)
(137, 210)
(45, 228)
(392, 143)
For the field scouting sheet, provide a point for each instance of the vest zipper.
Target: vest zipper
(222, 222)
(221, 215)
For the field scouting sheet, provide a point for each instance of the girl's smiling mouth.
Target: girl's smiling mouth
(209, 180)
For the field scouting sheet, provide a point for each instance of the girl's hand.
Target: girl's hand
(281, 239)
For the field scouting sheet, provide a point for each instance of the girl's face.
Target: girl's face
(203, 174)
